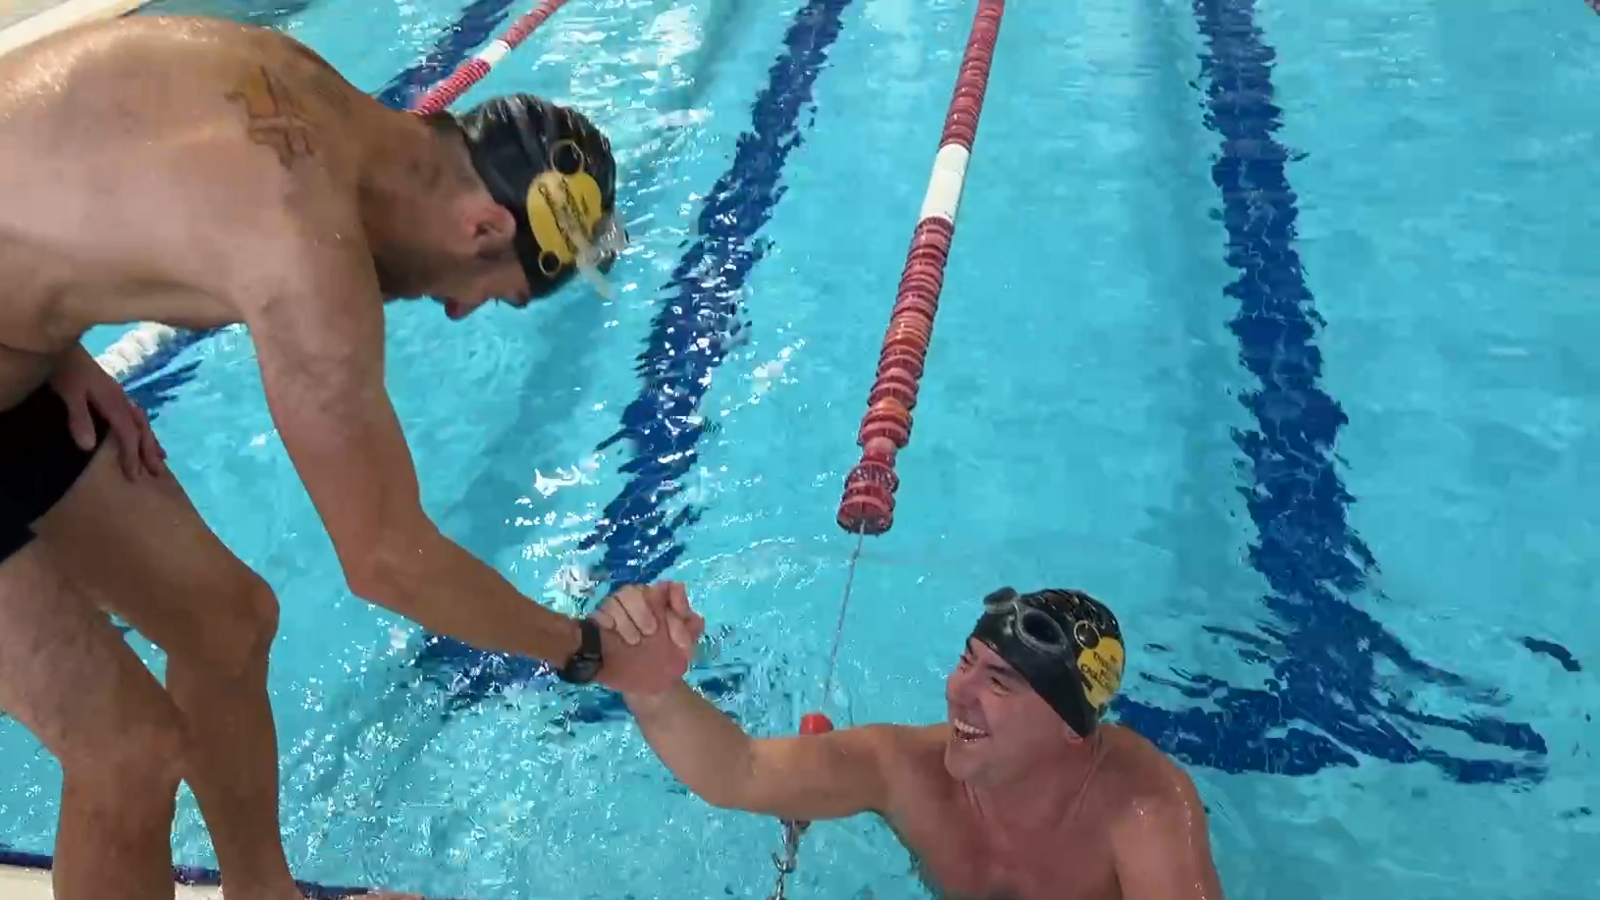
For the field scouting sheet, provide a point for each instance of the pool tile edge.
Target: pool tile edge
(63, 15)
(19, 883)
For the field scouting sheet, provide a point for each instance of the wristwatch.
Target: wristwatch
(584, 664)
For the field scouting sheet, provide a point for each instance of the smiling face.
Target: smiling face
(1000, 728)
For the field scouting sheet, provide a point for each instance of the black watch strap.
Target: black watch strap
(583, 665)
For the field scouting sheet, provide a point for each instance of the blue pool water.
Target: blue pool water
(1268, 324)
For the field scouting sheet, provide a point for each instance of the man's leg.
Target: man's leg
(67, 676)
(141, 550)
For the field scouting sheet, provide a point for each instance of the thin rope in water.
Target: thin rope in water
(844, 608)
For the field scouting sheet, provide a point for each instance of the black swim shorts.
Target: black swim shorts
(39, 463)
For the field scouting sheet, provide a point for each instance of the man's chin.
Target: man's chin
(962, 760)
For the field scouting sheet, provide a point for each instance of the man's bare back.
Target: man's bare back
(142, 162)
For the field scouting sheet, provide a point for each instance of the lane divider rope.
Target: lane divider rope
(867, 507)
(475, 69)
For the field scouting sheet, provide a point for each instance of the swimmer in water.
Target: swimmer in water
(201, 173)
(1021, 794)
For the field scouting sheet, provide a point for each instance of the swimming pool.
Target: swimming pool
(1198, 245)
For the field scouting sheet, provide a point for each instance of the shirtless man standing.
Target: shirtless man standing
(1020, 795)
(201, 173)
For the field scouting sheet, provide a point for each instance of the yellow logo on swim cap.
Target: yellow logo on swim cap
(564, 208)
(1101, 666)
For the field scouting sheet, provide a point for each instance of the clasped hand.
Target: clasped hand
(641, 657)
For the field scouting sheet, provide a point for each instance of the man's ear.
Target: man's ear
(491, 225)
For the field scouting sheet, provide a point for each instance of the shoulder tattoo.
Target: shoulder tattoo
(273, 118)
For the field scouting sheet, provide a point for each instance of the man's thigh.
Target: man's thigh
(140, 549)
(65, 672)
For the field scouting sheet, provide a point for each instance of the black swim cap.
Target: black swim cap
(1066, 644)
(552, 168)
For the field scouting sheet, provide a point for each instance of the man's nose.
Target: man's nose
(960, 684)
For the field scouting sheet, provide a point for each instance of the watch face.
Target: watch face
(583, 665)
(581, 669)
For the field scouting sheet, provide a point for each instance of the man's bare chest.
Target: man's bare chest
(958, 860)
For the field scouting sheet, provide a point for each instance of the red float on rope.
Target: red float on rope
(867, 506)
(815, 723)
(812, 724)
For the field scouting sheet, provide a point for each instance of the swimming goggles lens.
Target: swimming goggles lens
(1035, 628)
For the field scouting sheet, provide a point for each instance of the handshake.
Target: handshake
(647, 636)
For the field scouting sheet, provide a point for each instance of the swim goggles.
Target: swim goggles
(1055, 641)
(1038, 630)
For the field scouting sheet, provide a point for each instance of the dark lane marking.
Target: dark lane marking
(1322, 650)
(702, 314)
(1555, 651)
(700, 317)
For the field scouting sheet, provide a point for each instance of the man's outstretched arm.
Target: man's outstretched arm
(826, 776)
(315, 314)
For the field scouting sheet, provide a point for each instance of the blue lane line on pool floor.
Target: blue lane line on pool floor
(1324, 654)
(152, 384)
(701, 314)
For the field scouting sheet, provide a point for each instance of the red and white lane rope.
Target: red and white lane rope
(469, 73)
(868, 503)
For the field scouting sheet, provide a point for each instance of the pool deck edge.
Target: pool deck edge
(48, 21)
(21, 883)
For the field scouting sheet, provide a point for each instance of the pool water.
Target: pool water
(1269, 325)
